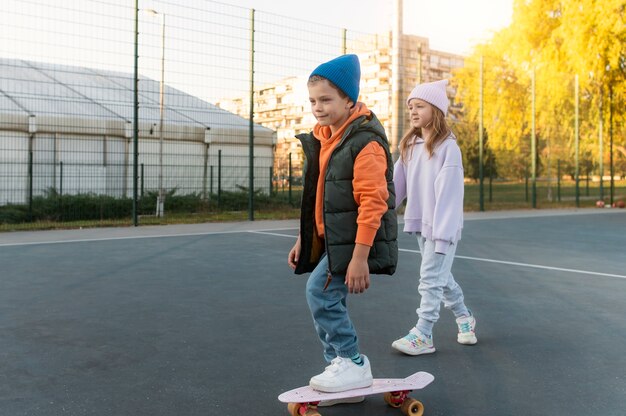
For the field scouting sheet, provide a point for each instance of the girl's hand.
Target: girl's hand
(294, 254)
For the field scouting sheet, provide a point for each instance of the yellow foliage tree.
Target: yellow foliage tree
(555, 40)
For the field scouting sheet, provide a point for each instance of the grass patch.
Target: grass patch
(517, 195)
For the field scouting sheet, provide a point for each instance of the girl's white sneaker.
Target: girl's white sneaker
(414, 343)
(467, 325)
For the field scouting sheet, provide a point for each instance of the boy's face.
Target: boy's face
(328, 107)
(420, 112)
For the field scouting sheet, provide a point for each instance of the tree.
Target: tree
(467, 138)
(552, 40)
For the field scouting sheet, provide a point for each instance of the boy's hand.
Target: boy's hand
(358, 274)
(294, 254)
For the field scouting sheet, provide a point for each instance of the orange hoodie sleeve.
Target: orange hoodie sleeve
(370, 191)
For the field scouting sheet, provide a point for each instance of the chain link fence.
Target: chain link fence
(68, 130)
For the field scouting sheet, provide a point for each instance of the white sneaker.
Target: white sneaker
(414, 343)
(467, 325)
(342, 374)
(345, 400)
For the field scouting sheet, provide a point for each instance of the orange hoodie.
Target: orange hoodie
(369, 183)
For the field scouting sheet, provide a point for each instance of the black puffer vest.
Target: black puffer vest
(340, 208)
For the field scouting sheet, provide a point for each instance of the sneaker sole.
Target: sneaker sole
(339, 389)
(413, 352)
(467, 341)
(347, 400)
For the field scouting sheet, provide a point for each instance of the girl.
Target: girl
(429, 174)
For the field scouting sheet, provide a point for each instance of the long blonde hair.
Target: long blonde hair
(441, 131)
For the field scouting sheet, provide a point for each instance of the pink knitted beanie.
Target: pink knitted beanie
(433, 93)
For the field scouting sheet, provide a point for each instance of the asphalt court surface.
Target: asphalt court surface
(209, 320)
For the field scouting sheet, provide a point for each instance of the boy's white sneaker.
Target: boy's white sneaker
(342, 374)
(414, 343)
(467, 326)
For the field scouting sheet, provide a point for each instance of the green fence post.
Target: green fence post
(533, 146)
(251, 124)
(30, 185)
(271, 188)
(61, 178)
(61, 189)
(577, 141)
(612, 181)
(587, 180)
(558, 180)
(136, 114)
(601, 144)
(481, 190)
(205, 172)
(290, 178)
(219, 178)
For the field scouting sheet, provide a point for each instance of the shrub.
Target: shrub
(53, 207)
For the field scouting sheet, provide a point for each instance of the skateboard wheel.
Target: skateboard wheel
(393, 399)
(412, 407)
(294, 409)
(299, 409)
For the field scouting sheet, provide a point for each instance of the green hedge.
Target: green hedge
(59, 208)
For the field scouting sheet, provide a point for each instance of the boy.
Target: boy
(348, 224)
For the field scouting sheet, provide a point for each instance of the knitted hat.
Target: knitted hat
(344, 72)
(433, 93)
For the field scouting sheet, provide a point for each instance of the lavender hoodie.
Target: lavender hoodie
(433, 189)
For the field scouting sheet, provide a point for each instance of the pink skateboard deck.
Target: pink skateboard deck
(304, 400)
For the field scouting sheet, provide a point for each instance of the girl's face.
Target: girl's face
(328, 107)
(420, 112)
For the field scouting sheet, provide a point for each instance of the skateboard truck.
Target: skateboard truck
(408, 405)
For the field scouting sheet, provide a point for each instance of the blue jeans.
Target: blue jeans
(330, 314)
(436, 285)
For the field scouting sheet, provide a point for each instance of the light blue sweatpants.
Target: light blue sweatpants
(330, 313)
(437, 284)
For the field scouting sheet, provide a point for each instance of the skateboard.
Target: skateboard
(303, 401)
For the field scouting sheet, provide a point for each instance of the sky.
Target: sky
(207, 40)
(451, 25)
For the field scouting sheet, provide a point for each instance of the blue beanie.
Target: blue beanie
(344, 72)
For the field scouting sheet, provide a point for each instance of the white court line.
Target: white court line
(275, 234)
(91, 240)
(534, 266)
(510, 263)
